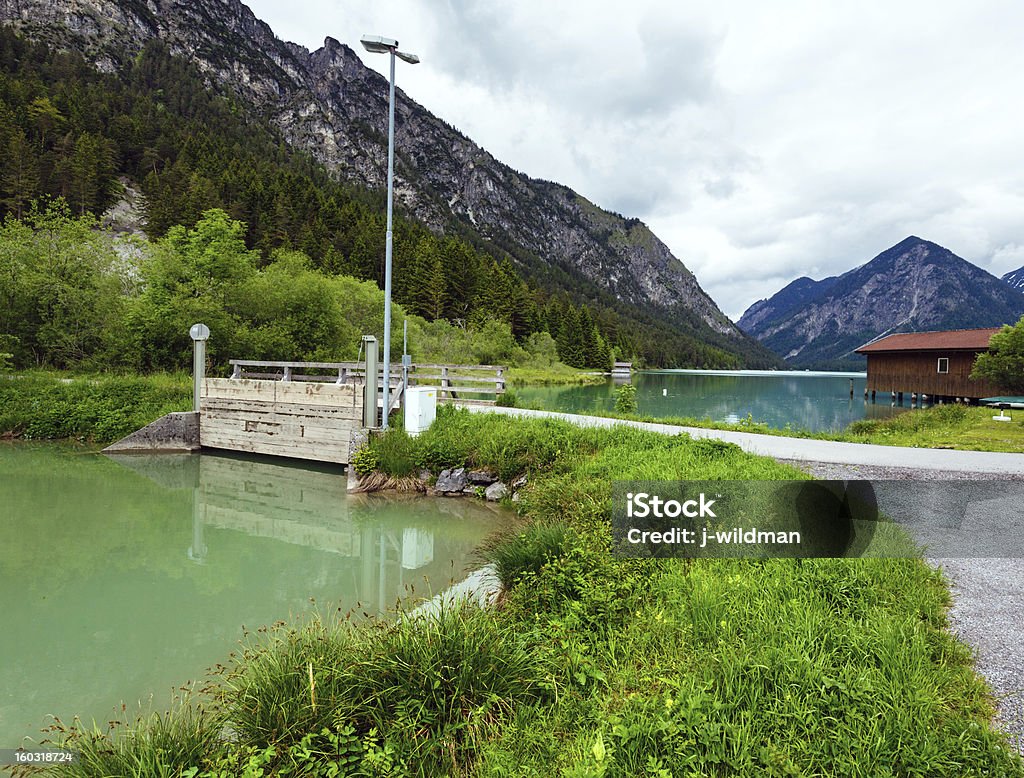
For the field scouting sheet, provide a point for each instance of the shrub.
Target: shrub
(417, 694)
(625, 399)
(508, 399)
(101, 409)
(365, 461)
(447, 443)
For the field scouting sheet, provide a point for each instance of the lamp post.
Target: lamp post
(378, 45)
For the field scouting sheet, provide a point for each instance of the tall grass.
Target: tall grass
(425, 691)
(161, 745)
(100, 409)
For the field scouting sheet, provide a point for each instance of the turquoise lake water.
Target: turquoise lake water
(121, 580)
(803, 400)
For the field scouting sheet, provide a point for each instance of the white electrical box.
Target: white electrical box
(420, 408)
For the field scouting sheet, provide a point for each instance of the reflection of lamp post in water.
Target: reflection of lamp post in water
(199, 333)
(197, 551)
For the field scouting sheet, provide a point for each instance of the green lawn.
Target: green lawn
(944, 426)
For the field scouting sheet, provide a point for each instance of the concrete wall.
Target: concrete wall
(173, 432)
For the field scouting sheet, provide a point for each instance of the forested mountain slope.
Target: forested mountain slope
(200, 106)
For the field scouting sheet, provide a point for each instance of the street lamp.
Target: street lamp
(378, 45)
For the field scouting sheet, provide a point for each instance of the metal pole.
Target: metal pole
(199, 333)
(405, 361)
(370, 382)
(387, 246)
(198, 371)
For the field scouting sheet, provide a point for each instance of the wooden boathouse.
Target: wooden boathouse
(929, 365)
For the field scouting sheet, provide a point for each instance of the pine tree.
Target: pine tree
(21, 174)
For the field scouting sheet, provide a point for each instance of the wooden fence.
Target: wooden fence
(467, 383)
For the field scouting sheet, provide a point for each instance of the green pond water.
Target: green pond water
(122, 579)
(810, 401)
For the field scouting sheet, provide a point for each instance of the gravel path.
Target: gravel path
(988, 598)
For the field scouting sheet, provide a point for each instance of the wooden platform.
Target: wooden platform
(304, 420)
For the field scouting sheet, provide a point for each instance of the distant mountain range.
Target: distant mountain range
(914, 286)
(1015, 278)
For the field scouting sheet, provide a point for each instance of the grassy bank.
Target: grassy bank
(556, 374)
(960, 427)
(943, 426)
(597, 666)
(92, 408)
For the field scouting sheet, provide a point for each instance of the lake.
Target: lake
(121, 580)
(806, 400)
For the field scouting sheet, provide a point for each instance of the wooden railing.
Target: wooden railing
(454, 382)
(336, 372)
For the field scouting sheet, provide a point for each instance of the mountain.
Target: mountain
(791, 296)
(1015, 278)
(914, 286)
(327, 104)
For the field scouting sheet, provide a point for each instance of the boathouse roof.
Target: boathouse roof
(942, 340)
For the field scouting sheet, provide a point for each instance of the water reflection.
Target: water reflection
(122, 579)
(801, 400)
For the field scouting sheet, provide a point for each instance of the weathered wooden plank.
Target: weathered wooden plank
(265, 444)
(468, 389)
(320, 365)
(453, 377)
(280, 432)
(307, 393)
(316, 394)
(297, 432)
(239, 388)
(283, 411)
(433, 366)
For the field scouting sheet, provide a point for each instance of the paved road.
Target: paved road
(988, 593)
(808, 450)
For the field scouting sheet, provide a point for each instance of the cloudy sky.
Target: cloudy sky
(760, 141)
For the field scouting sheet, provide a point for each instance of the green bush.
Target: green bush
(100, 409)
(365, 461)
(446, 444)
(440, 686)
(625, 399)
(418, 694)
(507, 399)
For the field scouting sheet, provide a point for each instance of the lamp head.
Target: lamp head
(377, 44)
(380, 45)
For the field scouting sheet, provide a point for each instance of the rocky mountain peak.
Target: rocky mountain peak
(1015, 278)
(915, 285)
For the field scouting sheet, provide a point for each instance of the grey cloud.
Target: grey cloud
(665, 66)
